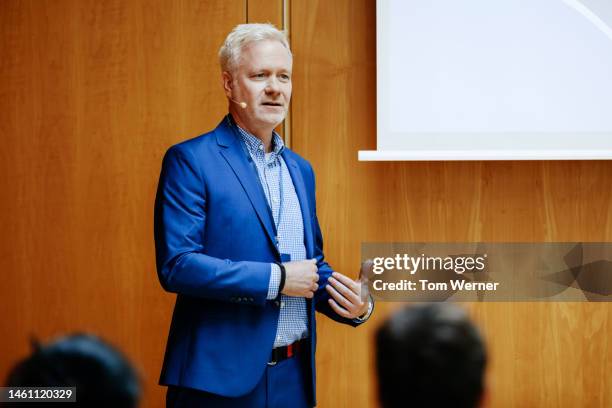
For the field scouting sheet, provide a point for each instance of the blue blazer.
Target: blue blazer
(214, 242)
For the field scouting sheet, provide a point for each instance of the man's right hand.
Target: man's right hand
(301, 278)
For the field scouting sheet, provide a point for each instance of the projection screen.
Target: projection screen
(493, 80)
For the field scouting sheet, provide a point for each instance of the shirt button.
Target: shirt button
(260, 147)
(282, 304)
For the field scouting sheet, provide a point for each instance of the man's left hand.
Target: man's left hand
(346, 296)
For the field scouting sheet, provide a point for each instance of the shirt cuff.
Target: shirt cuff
(365, 317)
(274, 285)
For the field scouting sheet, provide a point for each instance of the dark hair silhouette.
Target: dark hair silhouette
(101, 374)
(430, 356)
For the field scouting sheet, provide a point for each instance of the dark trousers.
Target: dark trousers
(284, 385)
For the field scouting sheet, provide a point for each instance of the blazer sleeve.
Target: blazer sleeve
(179, 225)
(321, 296)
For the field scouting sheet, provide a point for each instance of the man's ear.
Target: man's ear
(227, 79)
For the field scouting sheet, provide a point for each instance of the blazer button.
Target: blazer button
(251, 299)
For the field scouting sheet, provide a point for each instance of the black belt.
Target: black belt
(282, 353)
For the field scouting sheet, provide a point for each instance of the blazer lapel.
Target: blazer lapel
(242, 166)
(300, 189)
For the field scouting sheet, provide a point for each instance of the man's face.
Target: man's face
(262, 80)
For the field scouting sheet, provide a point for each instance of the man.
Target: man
(430, 356)
(237, 238)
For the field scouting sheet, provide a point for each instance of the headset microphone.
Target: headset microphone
(243, 105)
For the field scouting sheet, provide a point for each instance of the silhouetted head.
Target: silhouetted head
(101, 374)
(430, 356)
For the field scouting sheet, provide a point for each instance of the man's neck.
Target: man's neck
(265, 135)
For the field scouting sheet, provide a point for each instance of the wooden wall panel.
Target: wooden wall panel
(542, 354)
(334, 109)
(91, 94)
(265, 11)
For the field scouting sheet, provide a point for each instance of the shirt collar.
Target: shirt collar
(254, 144)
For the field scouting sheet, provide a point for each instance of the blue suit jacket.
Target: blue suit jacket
(214, 241)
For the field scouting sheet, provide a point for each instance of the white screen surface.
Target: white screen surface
(503, 79)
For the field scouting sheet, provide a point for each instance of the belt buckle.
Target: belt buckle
(273, 359)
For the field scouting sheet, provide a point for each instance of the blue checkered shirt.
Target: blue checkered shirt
(272, 171)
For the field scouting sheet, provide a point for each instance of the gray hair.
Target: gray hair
(244, 34)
